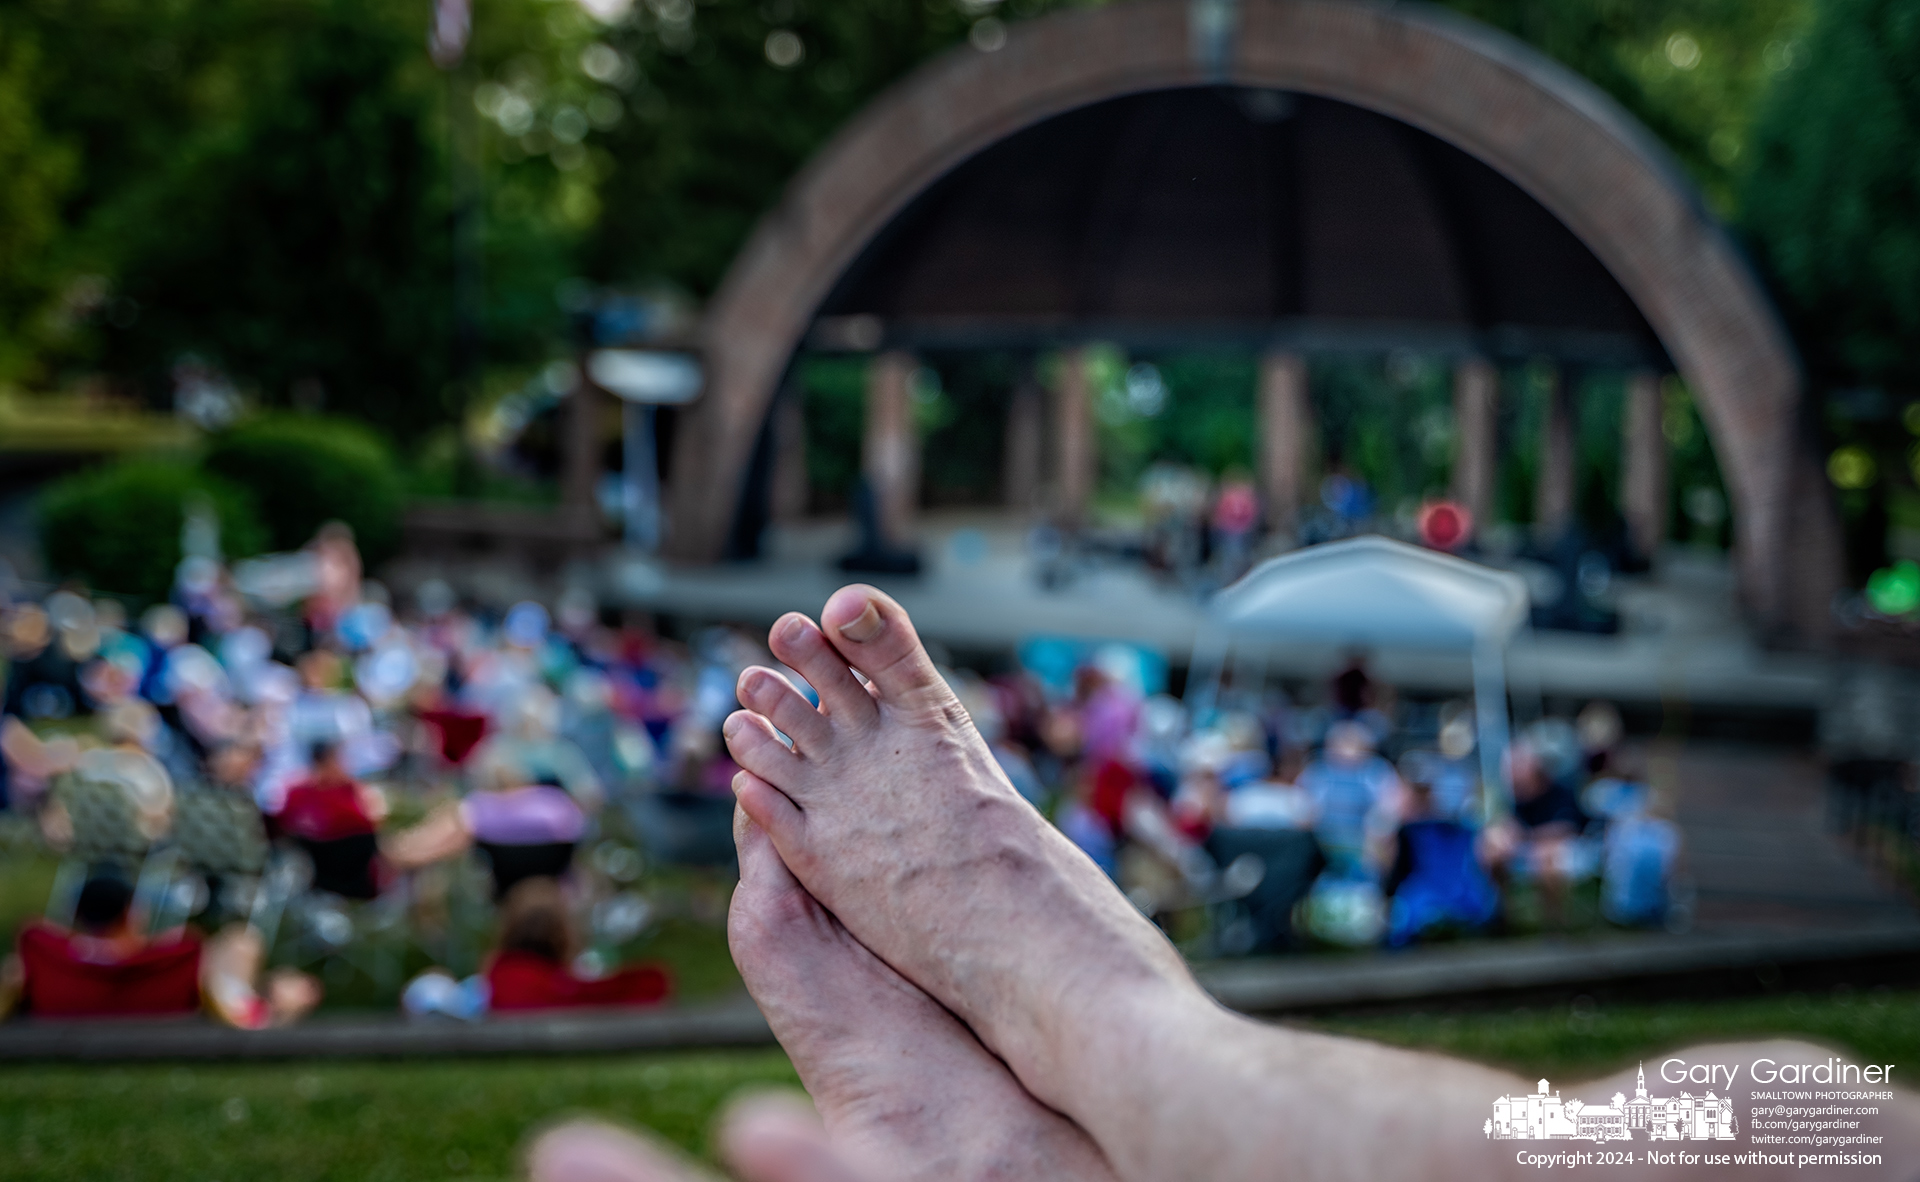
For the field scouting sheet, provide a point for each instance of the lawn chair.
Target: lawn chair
(221, 838)
(106, 832)
(1261, 919)
(364, 930)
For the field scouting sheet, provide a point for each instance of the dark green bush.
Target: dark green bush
(118, 527)
(304, 471)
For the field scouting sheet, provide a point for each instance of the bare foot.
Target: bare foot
(904, 1089)
(893, 813)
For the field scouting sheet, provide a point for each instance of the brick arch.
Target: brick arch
(1549, 131)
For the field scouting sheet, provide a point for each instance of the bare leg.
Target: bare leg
(230, 980)
(891, 811)
(904, 1089)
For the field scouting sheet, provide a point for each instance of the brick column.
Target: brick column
(1075, 459)
(585, 421)
(1644, 492)
(1024, 452)
(890, 457)
(1286, 421)
(1476, 420)
(790, 484)
(1553, 491)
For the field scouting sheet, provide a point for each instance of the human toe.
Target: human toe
(778, 1138)
(800, 644)
(761, 868)
(771, 696)
(873, 634)
(589, 1151)
(754, 745)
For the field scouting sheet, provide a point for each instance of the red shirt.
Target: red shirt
(1113, 781)
(460, 731)
(65, 978)
(321, 810)
(526, 981)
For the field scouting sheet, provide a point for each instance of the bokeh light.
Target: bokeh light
(1851, 468)
(1895, 590)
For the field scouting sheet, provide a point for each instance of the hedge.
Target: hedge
(305, 470)
(118, 527)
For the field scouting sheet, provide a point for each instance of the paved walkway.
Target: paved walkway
(1757, 846)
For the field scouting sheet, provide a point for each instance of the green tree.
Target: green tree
(722, 114)
(303, 243)
(37, 169)
(1691, 70)
(265, 184)
(1832, 208)
(1832, 203)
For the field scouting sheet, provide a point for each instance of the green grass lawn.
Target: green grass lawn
(292, 1122)
(466, 1119)
(1580, 1041)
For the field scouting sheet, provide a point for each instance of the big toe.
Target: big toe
(873, 633)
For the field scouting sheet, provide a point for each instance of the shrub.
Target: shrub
(304, 471)
(118, 527)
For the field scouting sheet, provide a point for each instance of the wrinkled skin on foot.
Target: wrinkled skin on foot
(891, 811)
(905, 1091)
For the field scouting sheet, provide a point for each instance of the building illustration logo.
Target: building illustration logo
(1544, 1116)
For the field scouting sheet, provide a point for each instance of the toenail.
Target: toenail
(865, 626)
(793, 628)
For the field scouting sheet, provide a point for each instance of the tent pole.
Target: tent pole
(1204, 671)
(1490, 714)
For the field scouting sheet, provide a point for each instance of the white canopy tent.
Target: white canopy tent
(1376, 592)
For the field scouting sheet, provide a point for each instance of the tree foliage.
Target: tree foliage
(1833, 201)
(722, 119)
(266, 184)
(37, 170)
(1692, 70)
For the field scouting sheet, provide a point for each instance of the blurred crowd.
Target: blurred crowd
(1335, 814)
(282, 739)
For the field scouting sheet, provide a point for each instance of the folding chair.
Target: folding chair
(106, 832)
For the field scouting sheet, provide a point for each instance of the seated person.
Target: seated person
(1543, 842)
(1638, 854)
(1356, 796)
(532, 969)
(334, 818)
(124, 764)
(1123, 824)
(107, 967)
(526, 831)
(1276, 803)
(1451, 769)
(1273, 820)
